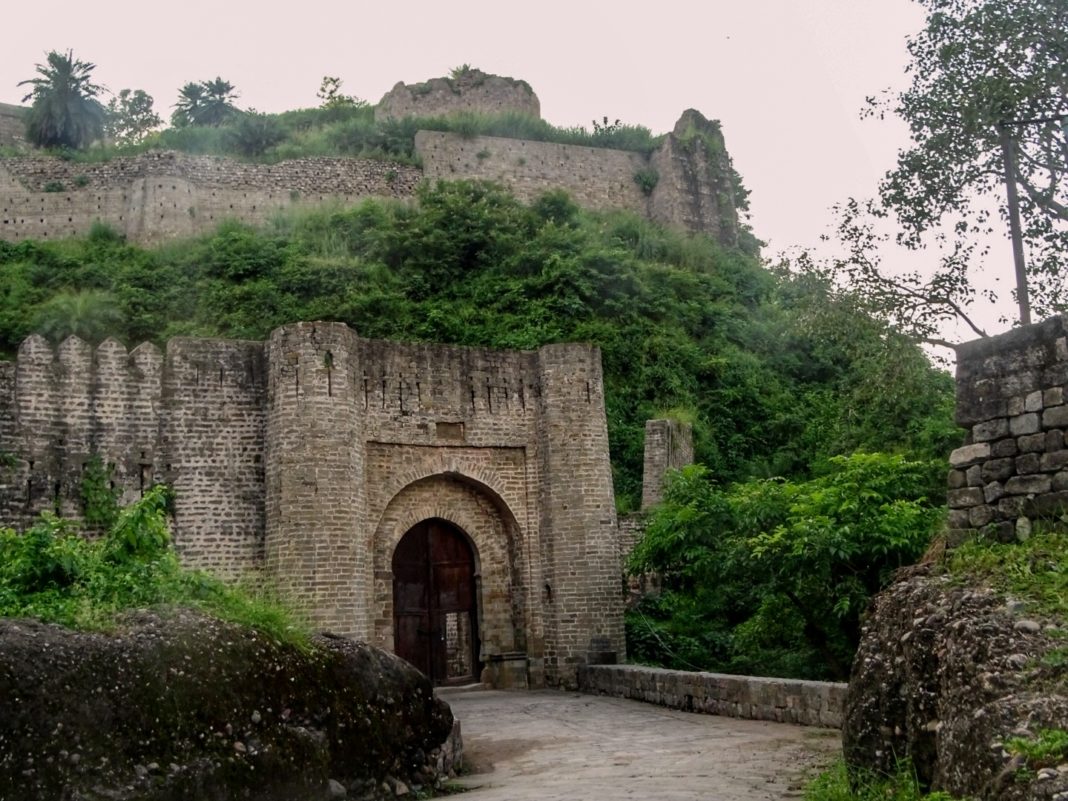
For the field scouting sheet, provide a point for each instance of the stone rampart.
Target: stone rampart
(12, 125)
(1013, 468)
(161, 195)
(597, 178)
(471, 90)
(809, 703)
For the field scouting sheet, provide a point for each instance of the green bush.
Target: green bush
(836, 784)
(54, 573)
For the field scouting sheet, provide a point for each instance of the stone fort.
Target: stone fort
(453, 505)
(162, 195)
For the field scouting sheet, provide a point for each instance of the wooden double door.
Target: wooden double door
(435, 625)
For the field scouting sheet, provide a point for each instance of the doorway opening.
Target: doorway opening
(435, 615)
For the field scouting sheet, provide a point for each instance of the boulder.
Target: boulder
(184, 706)
(946, 675)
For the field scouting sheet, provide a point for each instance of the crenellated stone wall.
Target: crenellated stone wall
(1013, 468)
(311, 455)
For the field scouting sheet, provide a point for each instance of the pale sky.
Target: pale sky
(787, 79)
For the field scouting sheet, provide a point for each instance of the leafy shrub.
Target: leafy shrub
(836, 784)
(253, 134)
(53, 573)
(53, 186)
(647, 179)
(779, 569)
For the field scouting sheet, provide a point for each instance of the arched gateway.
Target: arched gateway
(317, 454)
(435, 608)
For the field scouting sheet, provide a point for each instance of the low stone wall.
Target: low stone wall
(808, 703)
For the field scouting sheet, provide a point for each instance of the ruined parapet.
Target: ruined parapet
(695, 187)
(12, 125)
(470, 90)
(1013, 467)
(668, 446)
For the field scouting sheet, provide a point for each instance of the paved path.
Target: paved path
(556, 746)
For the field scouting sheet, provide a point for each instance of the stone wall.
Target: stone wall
(809, 703)
(597, 178)
(471, 91)
(1013, 467)
(668, 446)
(313, 454)
(12, 125)
(161, 195)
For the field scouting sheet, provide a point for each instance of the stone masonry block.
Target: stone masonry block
(1030, 443)
(1025, 485)
(964, 498)
(998, 469)
(993, 491)
(974, 476)
(1033, 401)
(956, 479)
(979, 516)
(1055, 417)
(1052, 462)
(1028, 463)
(1060, 481)
(1054, 396)
(1005, 447)
(1054, 440)
(969, 454)
(1025, 424)
(991, 430)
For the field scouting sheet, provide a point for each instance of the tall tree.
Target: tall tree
(131, 116)
(989, 80)
(65, 111)
(205, 103)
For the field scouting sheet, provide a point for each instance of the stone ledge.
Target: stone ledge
(808, 703)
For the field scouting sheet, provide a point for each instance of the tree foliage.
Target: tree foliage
(778, 373)
(771, 576)
(65, 111)
(131, 117)
(977, 66)
(207, 103)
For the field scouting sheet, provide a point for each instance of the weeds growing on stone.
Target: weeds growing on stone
(834, 785)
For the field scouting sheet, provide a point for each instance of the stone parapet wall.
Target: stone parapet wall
(809, 703)
(1013, 468)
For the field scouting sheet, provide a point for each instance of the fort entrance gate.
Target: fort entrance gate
(434, 602)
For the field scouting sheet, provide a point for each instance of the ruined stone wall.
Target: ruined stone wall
(12, 125)
(472, 91)
(1013, 467)
(597, 178)
(668, 446)
(161, 195)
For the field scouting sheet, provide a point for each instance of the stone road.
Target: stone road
(556, 746)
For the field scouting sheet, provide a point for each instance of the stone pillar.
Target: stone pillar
(1013, 466)
(583, 596)
(316, 544)
(668, 446)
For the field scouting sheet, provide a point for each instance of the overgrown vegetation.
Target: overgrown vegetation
(836, 784)
(55, 573)
(770, 577)
(777, 374)
(1034, 571)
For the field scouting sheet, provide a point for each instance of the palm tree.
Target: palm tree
(204, 103)
(65, 112)
(90, 314)
(189, 106)
(219, 105)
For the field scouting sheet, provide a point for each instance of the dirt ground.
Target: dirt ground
(556, 746)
